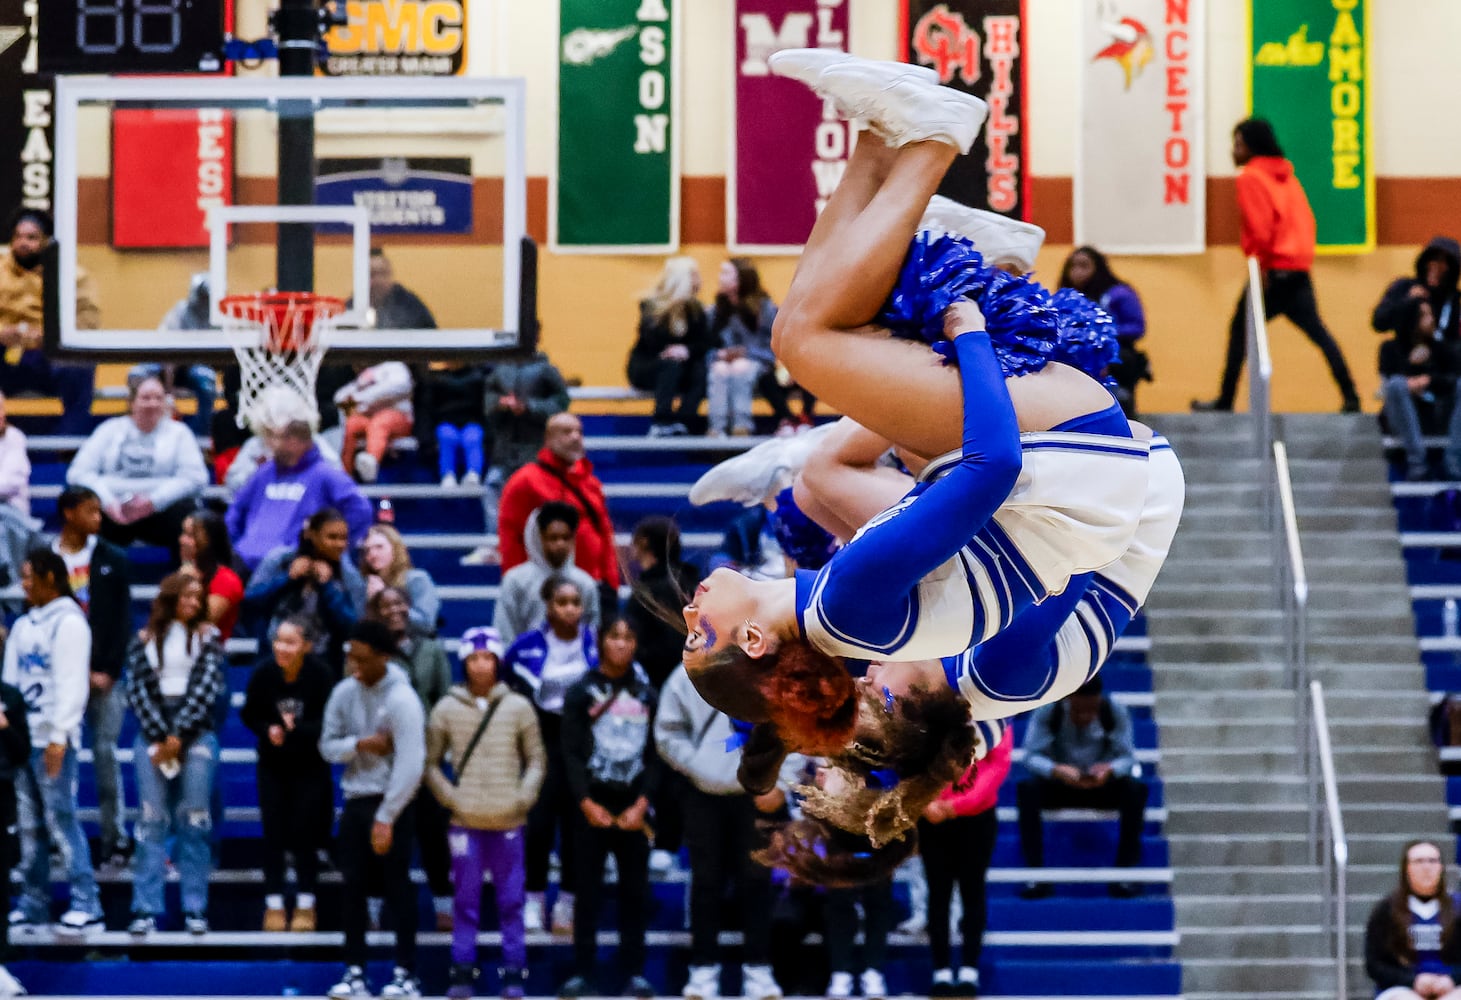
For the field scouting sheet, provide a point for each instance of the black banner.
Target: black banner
(978, 46)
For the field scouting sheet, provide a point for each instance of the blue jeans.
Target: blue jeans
(201, 380)
(104, 712)
(179, 804)
(1403, 415)
(46, 808)
(452, 441)
(73, 384)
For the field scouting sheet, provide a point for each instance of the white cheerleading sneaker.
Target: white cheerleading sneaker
(1002, 240)
(807, 65)
(901, 108)
(760, 473)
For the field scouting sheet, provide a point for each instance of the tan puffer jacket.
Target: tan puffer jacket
(506, 770)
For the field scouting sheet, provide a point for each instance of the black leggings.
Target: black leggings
(877, 921)
(957, 850)
(553, 817)
(1290, 294)
(432, 820)
(293, 804)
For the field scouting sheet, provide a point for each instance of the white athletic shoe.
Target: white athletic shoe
(9, 985)
(759, 983)
(873, 986)
(367, 468)
(901, 107)
(704, 983)
(1000, 239)
(806, 66)
(840, 986)
(533, 913)
(760, 473)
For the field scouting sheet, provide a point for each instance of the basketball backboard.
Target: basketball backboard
(418, 181)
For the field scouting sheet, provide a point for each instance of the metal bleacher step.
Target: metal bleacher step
(1255, 978)
(1275, 908)
(1254, 941)
(1272, 818)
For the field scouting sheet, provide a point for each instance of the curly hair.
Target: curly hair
(818, 853)
(807, 695)
(927, 742)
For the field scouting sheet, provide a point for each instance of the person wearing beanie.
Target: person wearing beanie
(490, 736)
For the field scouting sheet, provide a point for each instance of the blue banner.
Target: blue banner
(415, 195)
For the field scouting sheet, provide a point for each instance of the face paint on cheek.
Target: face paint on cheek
(709, 631)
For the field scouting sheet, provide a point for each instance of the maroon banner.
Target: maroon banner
(980, 46)
(790, 151)
(168, 169)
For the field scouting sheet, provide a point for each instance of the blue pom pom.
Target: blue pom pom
(1087, 336)
(940, 269)
(882, 779)
(740, 735)
(804, 541)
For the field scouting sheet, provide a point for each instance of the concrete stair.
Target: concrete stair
(1248, 888)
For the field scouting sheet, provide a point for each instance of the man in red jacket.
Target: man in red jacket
(1277, 228)
(562, 473)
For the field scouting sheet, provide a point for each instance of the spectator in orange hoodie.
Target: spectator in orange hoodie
(1277, 228)
(956, 838)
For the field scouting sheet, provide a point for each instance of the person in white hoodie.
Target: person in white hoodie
(376, 727)
(146, 467)
(720, 831)
(377, 407)
(48, 658)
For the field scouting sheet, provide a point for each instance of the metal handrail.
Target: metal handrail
(1260, 363)
(1293, 579)
(1335, 858)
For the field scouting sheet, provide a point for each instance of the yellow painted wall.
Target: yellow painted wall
(587, 303)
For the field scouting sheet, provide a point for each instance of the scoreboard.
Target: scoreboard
(130, 36)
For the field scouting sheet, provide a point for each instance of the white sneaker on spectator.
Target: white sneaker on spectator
(9, 985)
(482, 555)
(901, 108)
(351, 985)
(704, 983)
(533, 913)
(78, 922)
(449, 481)
(367, 467)
(873, 986)
(402, 984)
(758, 982)
(840, 987)
(471, 479)
(916, 923)
(1000, 239)
(563, 913)
(661, 862)
(18, 918)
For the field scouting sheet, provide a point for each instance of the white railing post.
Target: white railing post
(1260, 379)
(1336, 844)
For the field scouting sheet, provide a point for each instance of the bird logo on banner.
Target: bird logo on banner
(1131, 46)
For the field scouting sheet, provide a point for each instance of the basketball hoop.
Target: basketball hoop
(279, 340)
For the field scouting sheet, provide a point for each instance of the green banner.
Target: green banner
(617, 184)
(1310, 77)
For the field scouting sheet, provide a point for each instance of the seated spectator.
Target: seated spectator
(314, 579)
(285, 708)
(956, 838)
(100, 579)
(1412, 944)
(740, 327)
(495, 777)
(426, 663)
(205, 551)
(1419, 371)
(612, 771)
(269, 420)
(549, 545)
(377, 409)
(14, 466)
(874, 902)
(375, 727)
(750, 547)
(1437, 280)
(146, 468)
(286, 491)
(191, 313)
(24, 367)
(48, 656)
(386, 563)
(450, 400)
(393, 305)
(668, 358)
(174, 676)
(14, 762)
(665, 581)
(1080, 755)
(563, 473)
(1089, 272)
(543, 664)
(720, 830)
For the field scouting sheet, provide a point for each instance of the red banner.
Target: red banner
(980, 47)
(168, 169)
(790, 150)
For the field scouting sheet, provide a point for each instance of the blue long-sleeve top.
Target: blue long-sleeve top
(1124, 306)
(872, 596)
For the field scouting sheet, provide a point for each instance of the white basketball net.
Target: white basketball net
(280, 341)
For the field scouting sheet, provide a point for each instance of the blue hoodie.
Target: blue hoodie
(274, 504)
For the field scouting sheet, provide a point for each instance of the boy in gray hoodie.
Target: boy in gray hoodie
(549, 544)
(374, 724)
